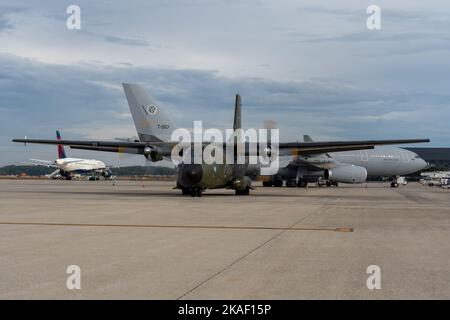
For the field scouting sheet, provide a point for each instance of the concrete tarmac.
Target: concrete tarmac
(135, 241)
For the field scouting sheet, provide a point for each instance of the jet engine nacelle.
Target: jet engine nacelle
(346, 174)
(107, 173)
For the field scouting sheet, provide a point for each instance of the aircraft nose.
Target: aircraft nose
(191, 174)
(422, 164)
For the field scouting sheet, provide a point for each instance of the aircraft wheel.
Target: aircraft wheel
(267, 183)
(278, 183)
(196, 192)
(394, 185)
(291, 184)
(244, 192)
(302, 184)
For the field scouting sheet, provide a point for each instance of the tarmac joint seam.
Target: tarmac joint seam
(55, 224)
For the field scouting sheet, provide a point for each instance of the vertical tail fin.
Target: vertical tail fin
(151, 122)
(307, 138)
(61, 151)
(237, 113)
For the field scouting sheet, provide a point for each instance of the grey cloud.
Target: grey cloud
(6, 13)
(127, 41)
(378, 36)
(128, 64)
(87, 101)
(5, 23)
(116, 39)
(330, 11)
(402, 16)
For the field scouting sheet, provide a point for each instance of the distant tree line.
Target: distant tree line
(28, 170)
(122, 171)
(143, 171)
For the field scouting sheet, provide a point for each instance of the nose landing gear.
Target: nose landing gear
(193, 192)
(196, 192)
(244, 192)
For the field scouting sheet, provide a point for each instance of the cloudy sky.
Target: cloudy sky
(311, 66)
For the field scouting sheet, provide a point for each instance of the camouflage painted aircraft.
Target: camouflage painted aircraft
(154, 129)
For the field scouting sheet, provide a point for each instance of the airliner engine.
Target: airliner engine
(346, 174)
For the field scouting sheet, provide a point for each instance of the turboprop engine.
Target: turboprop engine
(152, 154)
(346, 174)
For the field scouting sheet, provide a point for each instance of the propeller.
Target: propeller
(268, 125)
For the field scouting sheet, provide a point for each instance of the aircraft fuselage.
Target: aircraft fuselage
(74, 164)
(383, 161)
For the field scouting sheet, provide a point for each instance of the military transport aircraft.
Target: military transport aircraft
(347, 167)
(154, 129)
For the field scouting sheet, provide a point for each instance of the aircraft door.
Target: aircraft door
(364, 156)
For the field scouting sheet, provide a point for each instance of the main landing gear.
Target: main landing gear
(278, 182)
(296, 184)
(291, 184)
(302, 184)
(244, 192)
(394, 182)
(331, 183)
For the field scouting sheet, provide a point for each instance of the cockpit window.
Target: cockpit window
(417, 156)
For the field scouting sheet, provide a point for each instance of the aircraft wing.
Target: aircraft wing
(164, 148)
(41, 163)
(112, 146)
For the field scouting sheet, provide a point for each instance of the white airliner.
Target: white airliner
(68, 167)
